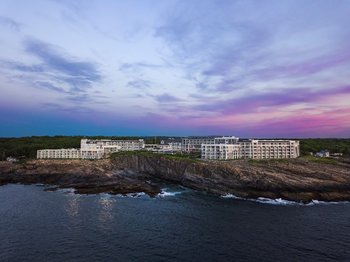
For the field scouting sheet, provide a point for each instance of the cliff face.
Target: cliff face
(294, 179)
(87, 177)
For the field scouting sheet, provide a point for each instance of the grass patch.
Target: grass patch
(178, 156)
(271, 160)
(323, 160)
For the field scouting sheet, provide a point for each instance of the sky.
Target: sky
(149, 67)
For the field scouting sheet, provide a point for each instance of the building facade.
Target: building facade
(92, 149)
(171, 147)
(220, 151)
(266, 149)
(195, 143)
(250, 149)
(64, 153)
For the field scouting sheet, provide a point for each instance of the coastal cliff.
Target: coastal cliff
(292, 179)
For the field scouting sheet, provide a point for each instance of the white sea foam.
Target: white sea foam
(280, 201)
(231, 196)
(165, 193)
(277, 201)
(67, 190)
(284, 202)
(138, 194)
(318, 202)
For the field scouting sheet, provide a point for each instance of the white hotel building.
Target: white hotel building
(92, 149)
(224, 148)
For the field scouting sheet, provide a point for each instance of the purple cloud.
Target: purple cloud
(253, 102)
(166, 98)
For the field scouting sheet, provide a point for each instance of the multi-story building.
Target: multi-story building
(171, 147)
(220, 151)
(93, 149)
(261, 149)
(194, 143)
(64, 153)
(253, 148)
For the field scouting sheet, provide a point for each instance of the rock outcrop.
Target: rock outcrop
(292, 179)
(86, 177)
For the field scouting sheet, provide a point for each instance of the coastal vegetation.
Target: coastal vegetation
(27, 146)
(333, 145)
(191, 157)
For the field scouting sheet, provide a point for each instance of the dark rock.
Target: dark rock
(294, 179)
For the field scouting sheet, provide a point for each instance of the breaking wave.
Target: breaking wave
(165, 192)
(232, 196)
(284, 202)
(138, 194)
(68, 191)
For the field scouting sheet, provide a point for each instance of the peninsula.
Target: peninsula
(300, 179)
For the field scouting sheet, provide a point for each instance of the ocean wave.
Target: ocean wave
(319, 202)
(277, 201)
(232, 196)
(67, 191)
(138, 194)
(284, 202)
(165, 193)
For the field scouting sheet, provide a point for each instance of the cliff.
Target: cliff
(86, 177)
(293, 179)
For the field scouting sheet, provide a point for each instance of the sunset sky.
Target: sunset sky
(136, 67)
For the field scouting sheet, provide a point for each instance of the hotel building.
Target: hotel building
(224, 149)
(92, 149)
(65, 153)
(194, 143)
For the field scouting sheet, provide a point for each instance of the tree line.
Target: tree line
(27, 146)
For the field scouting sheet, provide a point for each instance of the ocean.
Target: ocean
(178, 225)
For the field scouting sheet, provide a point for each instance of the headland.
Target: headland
(301, 179)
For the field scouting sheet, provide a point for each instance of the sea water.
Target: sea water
(178, 225)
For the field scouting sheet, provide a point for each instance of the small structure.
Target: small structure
(337, 154)
(322, 153)
(11, 159)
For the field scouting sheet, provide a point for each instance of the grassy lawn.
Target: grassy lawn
(187, 157)
(323, 160)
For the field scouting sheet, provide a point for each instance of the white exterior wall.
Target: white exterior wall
(92, 149)
(194, 144)
(226, 140)
(171, 147)
(112, 145)
(220, 151)
(252, 149)
(71, 153)
(265, 149)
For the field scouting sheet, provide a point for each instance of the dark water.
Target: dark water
(188, 226)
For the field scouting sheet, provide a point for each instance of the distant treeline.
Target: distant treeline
(27, 146)
(333, 145)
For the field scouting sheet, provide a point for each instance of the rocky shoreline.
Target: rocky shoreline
(292, 179)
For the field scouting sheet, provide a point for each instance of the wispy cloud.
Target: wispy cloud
(135, 67)
(6, 21)
(49, 86)
(166, 98)
(254, 102)
(139, 84)
(79, 73)
(18, 66)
